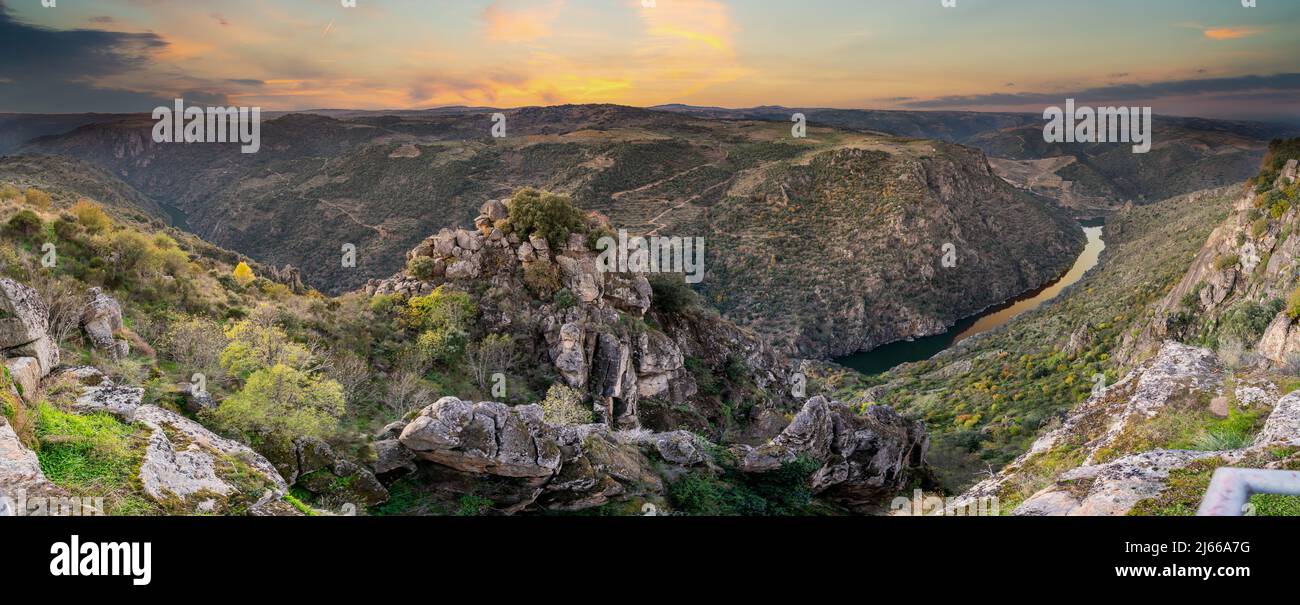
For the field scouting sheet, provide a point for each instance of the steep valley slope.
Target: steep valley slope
(828, 244)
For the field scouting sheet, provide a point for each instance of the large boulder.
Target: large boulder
(864, 457)
(24, 318)
(102, 320)
(487, 437)
(108, 398)
(187, 468)
(1109, 489)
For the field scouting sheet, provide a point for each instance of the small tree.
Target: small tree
(279, 404)
(563, 406)
(244, 274)
(496, 353)
(421, 267)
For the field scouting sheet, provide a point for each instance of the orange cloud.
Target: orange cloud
(510, 24)
(1230, 33)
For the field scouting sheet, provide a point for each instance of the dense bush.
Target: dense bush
(549, 215)
(421, 267)
(25, 223)
(279, 404)
(669, 293)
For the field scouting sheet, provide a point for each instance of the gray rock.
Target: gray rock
(26, 374)
(20, 474)
(486, 437)
(494, 209)
(24, 317)
(43, 350)
(118, 401)
(680, 447)
(1109, 489)
(198, 401)
(1283, 424)
(865, 457)
(188, 467)
(391, 455)
(101, 320)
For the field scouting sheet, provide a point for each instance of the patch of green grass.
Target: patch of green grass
(300, 505)
(92, 456)
(472, 505)
(1274, 505)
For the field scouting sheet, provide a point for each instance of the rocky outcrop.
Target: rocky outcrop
(860, 458)
(865, 457)
(337, 482)
(601, 342)
(1109, 489)
(488, 437)
(102, 322)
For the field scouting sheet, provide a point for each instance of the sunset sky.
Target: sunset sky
(1190, 57)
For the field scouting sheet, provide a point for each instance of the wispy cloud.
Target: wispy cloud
(1231, 33)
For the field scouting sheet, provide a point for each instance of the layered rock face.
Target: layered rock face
(1101, 460)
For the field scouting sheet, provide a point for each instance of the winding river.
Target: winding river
(882, 358)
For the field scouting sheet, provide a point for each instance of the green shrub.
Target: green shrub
(441, 345)
(564, 406)
(1259, 227)
(442, 309)
(1293, 305)
(25, 223)
(551, 216)
(1227, 261)
(670, 293)
(564, 299)
(421, 267)
(279, 404)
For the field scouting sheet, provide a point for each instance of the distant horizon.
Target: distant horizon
(1290, 122)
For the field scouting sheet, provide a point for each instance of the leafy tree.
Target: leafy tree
(549, 215)
(244, 274)
(280, 403)
(255, 346)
